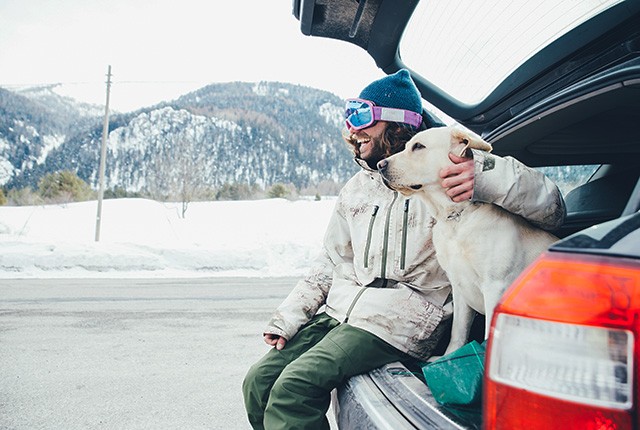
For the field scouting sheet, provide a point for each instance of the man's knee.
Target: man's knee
(295, 382)
(255, 391)
(285, 394)
(282, 386)
(255, 383)
(296, 403)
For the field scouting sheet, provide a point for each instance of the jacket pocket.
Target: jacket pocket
(353, 303)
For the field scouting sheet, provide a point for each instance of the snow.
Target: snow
(6, 169)
(146, 238)
(50, 142)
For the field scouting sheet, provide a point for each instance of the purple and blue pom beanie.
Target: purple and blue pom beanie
(394, 91)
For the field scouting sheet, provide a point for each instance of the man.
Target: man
(377, 293)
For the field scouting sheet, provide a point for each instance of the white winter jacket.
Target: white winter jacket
(378, 270)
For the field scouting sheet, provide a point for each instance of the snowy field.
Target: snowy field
(146, 238)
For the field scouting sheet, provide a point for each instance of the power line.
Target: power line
(49, 84)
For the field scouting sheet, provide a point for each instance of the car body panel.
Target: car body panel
(369, 406)
(617, 238)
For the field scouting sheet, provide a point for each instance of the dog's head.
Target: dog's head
(424, 156)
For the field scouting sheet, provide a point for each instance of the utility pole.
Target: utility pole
(103, 156)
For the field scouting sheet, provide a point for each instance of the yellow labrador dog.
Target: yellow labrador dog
(482, 247)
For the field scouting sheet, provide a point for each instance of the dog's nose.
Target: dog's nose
(382, 165)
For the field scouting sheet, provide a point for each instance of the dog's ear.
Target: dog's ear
(462, 141)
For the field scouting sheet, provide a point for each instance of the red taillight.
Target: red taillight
(518, 409)
(562, 347)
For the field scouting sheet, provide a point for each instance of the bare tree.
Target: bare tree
(189, 182)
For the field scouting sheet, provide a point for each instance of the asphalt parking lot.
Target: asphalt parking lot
(130, 353)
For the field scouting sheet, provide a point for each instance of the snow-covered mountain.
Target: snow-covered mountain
(256, 134)
(50, 98)
(30, 129)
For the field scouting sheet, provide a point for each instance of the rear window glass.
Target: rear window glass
(569, 177)
(468, 47)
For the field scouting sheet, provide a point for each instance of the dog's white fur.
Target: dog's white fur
(482, 247)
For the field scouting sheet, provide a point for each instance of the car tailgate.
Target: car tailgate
(394, 397)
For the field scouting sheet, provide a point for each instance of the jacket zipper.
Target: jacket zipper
(353, 303)
(405, 221)
(385, 247)
(383, 270)
(366, 248)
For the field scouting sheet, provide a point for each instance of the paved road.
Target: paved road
(130, 354)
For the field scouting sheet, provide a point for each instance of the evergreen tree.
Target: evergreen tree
(278, 191)
(62, 187)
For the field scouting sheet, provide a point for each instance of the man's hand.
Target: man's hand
(275, 340)
(457, 179)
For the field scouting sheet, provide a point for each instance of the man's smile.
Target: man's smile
(362, 143)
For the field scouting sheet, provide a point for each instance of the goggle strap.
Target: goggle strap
(397, 115)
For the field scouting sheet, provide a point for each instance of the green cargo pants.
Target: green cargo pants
(291, 388)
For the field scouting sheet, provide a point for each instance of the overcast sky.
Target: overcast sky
(161, 49)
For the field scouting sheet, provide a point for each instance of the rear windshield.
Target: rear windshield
(468, 47)
(569, 177)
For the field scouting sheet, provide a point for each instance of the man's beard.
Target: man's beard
(376, 152)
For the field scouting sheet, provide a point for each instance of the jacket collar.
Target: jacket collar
(363, 164)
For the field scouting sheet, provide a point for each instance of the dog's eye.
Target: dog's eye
(417, 146)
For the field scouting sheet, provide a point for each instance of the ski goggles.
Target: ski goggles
(361, 114)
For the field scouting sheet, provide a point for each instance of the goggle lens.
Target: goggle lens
(359, 114)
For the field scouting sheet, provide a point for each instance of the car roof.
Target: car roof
(583, 72)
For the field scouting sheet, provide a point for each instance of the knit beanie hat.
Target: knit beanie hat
(394, 91)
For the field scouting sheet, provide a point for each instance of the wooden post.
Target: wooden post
(103, 156)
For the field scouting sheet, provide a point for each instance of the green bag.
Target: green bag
(456, 379)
